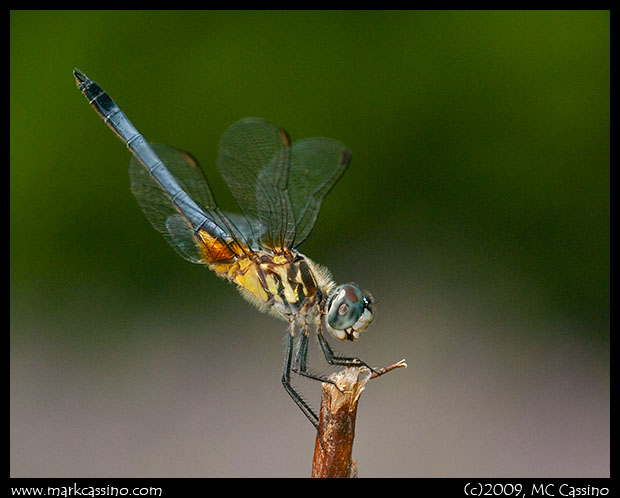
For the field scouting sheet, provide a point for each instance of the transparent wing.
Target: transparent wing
(174, 225)
(246, 228)
(255, 158)
(317, 164)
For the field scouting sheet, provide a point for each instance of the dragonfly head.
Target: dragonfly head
(348, 312)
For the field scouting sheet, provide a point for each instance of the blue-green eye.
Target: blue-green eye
(346, 307)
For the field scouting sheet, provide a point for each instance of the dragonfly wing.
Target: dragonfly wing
(181, 237)
(317, 164)
(246, 228)
(254, 159)
(165, 216)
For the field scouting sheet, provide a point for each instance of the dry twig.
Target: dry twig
(334, 442)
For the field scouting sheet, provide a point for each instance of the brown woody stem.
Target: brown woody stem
(334, 442)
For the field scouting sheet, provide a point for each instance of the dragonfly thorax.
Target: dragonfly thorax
(293, 287)
(289, 285)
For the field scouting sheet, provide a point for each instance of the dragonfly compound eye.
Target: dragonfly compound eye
(348, 309)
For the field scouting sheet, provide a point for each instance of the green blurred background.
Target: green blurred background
(476, 211)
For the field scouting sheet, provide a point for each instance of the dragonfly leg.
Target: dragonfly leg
(345, 361)
(299, 363)
(286, 380)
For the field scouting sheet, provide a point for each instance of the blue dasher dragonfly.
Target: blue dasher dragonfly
(279, 186)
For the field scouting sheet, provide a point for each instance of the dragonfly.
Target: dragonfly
(279, 186)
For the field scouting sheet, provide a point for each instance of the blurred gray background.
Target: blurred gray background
(475, 210)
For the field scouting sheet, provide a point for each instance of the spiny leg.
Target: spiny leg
(344, 361)
(286, 380)
(299, 363)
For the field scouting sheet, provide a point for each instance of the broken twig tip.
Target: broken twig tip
(401, 364)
